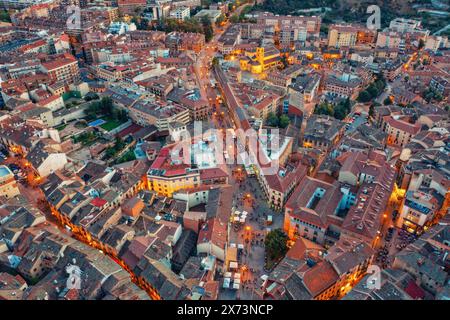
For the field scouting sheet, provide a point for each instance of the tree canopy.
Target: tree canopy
(373, 90)
(4, 16)
(340, 111)
(276, 244)
(274, 121)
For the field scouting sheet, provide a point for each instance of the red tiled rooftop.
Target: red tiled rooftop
(129, 130)
(98, 202)
(403, 125)
(59, 62)
(212, 173)
(319, 278)
(414, 290)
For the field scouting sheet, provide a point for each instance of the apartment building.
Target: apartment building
(389, 39)
(180, 13)
(63, 68)
(343, 86)
(399, 130)
(312, 23)
(159, 114)
(342, 36)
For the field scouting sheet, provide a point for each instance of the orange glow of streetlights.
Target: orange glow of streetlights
(248, 228)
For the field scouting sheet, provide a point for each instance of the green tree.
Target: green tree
(234, 18)
(372, 90)
(106, 106)
(135, 20)
(4, 16)
(380, 85)
(387, 101)
(364, 96)
(283, 121)
(339, 112)
(119, 144)
(207, 28)
(324, 108)
(347, 105)
(272, 120)
(276, 244)
(93, 110)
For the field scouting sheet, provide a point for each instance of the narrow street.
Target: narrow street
(248, 195)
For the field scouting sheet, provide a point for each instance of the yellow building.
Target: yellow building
(167, 185)
(342, 36)
(8, 185)
(260, 60)
(167, 176)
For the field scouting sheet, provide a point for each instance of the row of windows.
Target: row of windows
(298, 221)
